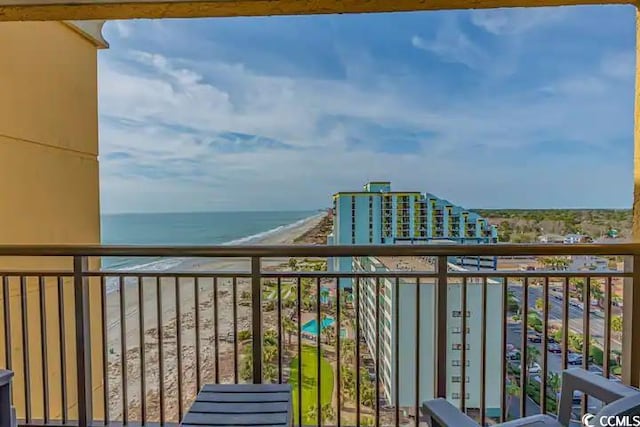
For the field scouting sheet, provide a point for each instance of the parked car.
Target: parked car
(574, 359)
(533, 369)
(513, 355)
(554, 348)
(534, 337)
(551, 339)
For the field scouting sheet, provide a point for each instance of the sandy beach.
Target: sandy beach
(178, 301)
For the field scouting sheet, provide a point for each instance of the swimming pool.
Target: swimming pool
(311, 327)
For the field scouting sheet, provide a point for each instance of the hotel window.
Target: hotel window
(458, 313)
(458, 378)
(456, 363)
(457, 395)
(458, 329)
(458, 346)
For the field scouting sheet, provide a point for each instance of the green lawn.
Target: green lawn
(310, 383)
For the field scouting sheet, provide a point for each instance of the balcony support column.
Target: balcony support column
(631, 293)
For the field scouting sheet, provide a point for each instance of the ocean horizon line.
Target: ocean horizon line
(215, 212)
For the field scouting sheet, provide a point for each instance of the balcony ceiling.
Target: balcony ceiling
(60, 10)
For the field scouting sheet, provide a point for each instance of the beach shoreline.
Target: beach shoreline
(178, 297)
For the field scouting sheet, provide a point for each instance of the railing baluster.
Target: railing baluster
(504, 410)
(62, 336)
(483, 354)
(586, 342)
(377, 346)
(299, 312)
(256, 320)
(105, 348)
(43, 349)
(396, 350)
(524, 377)
(607, 328)
(463, 332)
(25, 349)
(7, 322)
(442, 313)
(196, 325)
(123, 350)
(280, 331)
(179, 346)
(83, 343)
(318, 351)
(417, 390)
(216, 330)
(143, 365)
(160, 325)
(234, 303)
(338, 356)
(357, 350)
(545, 322)
(565, 324)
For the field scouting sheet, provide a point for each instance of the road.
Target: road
(596, 322)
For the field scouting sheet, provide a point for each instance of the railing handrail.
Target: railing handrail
(248, 251)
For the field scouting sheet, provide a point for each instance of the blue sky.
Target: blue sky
(521, 108)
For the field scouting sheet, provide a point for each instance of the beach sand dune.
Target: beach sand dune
(178, 302)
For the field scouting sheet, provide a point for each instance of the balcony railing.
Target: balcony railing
(92, 345)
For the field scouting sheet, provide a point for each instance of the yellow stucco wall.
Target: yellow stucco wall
(49, 191)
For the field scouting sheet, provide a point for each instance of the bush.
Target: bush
(533, 391)
(244, 335)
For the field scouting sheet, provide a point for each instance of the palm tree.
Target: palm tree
(311, 414)
(616, 324)
(270, 373)
(512, 391)
(327, 412)
(269, 353)
(347, 380)
(578, 287)
(367, 421)
(288, 292)
(539, 304)
(532, 355)
(289, 327)
(596, 292)
(325, 294)
(367, 394)
(554, 382)
(293, 264)
(347, 348)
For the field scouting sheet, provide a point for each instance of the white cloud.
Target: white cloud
(515, 20)
(161, 111)
(124, 29)
(452, 45)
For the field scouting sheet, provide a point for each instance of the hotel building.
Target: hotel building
(405, 300)
(378, 215)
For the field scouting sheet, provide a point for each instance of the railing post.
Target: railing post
(256, 294)
(83, 341)
(631, 323)
(441, 328)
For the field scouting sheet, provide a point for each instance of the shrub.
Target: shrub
(244, 335)
(533, 391)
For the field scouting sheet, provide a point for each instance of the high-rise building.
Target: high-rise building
(396, 318)
(379, 216)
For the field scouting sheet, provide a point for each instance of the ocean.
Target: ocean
(197, 228)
